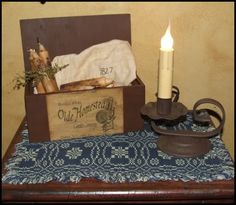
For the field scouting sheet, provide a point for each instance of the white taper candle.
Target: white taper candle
(166, 63)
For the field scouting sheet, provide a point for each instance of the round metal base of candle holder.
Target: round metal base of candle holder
(184, 146)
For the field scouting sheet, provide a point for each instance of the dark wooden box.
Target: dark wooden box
(55, 116)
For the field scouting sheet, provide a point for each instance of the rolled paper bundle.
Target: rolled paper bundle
(88, 84)
(97, 82)
(49, 83)
(43, 54)
(54, 83)
(40, 88)
(37, 64)
(34, 62)
(75, 88)
(111, 85)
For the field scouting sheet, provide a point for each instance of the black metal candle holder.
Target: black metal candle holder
(183, 143)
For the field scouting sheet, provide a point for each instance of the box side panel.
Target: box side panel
(37, 119)
(66, 35)
(134, 99)
(85, 113)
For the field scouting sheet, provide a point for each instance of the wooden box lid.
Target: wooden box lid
(66, 35)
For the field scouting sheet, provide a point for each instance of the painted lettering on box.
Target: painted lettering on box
(85, 114)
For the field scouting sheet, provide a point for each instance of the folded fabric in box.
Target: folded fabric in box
(113, 59)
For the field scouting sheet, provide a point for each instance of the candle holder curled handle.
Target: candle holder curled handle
(200, 118)
(175, 93)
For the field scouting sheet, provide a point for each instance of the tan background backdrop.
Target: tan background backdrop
(203, 42)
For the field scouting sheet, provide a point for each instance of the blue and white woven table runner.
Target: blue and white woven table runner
(130, 157)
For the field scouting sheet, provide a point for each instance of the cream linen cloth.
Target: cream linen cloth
(113, 59)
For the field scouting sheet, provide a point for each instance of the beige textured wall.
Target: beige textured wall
(203, 42)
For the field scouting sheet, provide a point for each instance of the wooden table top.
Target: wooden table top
(93, 190)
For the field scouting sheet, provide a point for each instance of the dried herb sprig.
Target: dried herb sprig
(35, 76)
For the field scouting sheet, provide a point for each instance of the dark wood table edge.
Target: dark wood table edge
(93, 190)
